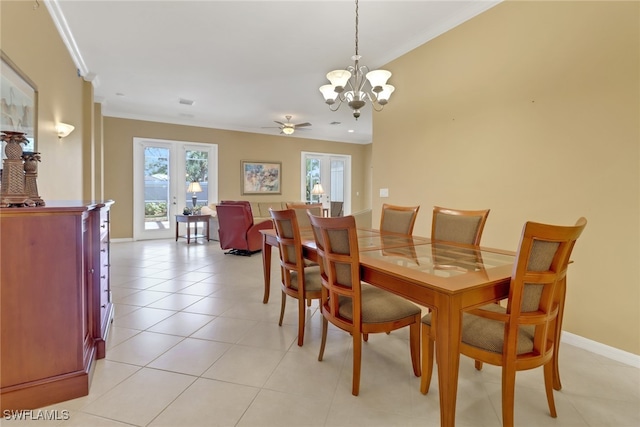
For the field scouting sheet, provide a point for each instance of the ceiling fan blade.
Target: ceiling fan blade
(303, 124)
(280, 123)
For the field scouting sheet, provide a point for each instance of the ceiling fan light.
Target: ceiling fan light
(385, 94)
(287, 130)
(339, 79)
(378, 78)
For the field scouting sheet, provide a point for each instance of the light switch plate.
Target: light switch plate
(384, 192)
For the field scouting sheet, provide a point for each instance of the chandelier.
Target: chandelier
(361, 85)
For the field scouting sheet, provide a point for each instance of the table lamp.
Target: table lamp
(194, 187)
(317, 190)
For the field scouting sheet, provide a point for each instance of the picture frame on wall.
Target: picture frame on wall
(18, 103)
(261, 177)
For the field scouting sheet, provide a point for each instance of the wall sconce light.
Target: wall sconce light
(64, 130)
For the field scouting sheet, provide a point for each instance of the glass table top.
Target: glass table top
(440, 259)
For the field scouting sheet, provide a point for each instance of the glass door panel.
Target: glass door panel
(332, 172)
(156, 188)
(197, 171)
(153, 195)
(163, 172)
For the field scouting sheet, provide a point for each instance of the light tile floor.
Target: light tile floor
(193, 345)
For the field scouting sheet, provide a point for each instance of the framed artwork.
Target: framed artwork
(261, 177)
(18, 102)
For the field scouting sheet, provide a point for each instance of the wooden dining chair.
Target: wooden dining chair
(355, 307)
(458, 226)
(521, 335)
(398, 219)
(448, 226)
(337, 209)
(303, 222)
(299, 280)
(301, 212)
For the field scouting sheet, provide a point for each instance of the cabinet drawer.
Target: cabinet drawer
(104, 224)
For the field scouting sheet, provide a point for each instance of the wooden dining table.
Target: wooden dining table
(447, 278)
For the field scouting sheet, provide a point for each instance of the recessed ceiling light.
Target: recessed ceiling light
(351, 131)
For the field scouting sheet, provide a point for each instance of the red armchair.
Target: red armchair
(237, 230)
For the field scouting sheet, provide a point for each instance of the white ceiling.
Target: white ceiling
(243, 63)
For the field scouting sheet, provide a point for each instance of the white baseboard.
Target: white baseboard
(601, 349)
(126, 239)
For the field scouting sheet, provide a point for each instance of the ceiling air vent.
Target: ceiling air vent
(185, 101)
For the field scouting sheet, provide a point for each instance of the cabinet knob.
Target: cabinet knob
(103, 250)
(103, 226)
(104, 276)
(91, 270)
(104, 306)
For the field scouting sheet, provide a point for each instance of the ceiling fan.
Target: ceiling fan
(288, 128)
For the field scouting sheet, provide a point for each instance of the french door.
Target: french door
(162, 173)
(333, 173)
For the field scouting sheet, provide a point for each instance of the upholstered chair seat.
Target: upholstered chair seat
(378, 306)
(312, 280)
(488, 334)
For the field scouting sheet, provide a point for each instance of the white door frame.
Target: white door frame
(325, 176)
(177, 202)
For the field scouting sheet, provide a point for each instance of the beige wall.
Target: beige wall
(530, 109)
(232, 148)
(31, 41)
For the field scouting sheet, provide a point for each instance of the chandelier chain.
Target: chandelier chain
(356, 27)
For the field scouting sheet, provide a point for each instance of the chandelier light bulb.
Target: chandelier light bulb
(385, 94)
(329, 93)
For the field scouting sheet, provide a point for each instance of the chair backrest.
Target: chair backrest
(301, 212)
(458, 226)
(337, 247)
(244, 203)
(234, 221)
(541, 264)
(398, 219)
(290, 244)
(337, 209)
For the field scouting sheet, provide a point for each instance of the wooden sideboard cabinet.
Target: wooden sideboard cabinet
(55, 301)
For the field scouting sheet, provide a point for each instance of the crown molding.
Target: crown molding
(60, 22)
